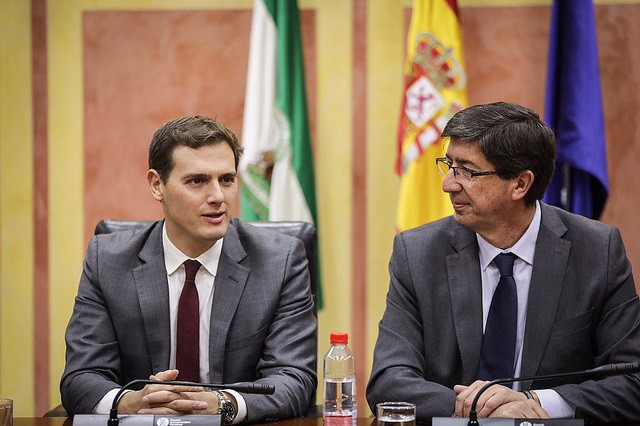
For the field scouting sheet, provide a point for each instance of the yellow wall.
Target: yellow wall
(333, 164)
(16, 206)
(385, 62)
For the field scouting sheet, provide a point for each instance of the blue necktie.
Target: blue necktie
(497, 360)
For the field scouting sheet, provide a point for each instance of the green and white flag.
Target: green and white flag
(277, 166)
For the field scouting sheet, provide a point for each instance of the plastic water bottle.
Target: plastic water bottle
(339, 397)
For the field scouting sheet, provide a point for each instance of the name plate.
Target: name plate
(149, 420)
(459, 421)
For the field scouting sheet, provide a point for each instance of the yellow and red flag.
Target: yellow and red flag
(435, 88)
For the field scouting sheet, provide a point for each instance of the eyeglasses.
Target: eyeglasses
(459, 172)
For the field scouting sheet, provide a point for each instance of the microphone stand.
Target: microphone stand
(604, 370)
(246, 387)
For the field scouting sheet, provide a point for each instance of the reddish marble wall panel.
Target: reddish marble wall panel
(618, 32)
(506, 54)
(143, 68)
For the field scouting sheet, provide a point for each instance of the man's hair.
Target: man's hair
(512, 138)
(193, 131)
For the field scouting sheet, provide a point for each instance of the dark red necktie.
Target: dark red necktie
(188, 335)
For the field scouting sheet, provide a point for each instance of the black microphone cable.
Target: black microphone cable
(603, 370)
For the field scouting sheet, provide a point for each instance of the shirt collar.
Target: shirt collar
(524, 248)
(174, 258)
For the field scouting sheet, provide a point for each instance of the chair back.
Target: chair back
(308, 234)
(107, 226)
(304, 231)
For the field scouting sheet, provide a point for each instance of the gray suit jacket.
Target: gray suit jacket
(583, 312)
(262, 323)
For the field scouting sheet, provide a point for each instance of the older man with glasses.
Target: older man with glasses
(507, 287)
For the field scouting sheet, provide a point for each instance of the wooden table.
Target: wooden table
(65, 421)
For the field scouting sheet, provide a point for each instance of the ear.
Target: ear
(522, 184)
(155, 184)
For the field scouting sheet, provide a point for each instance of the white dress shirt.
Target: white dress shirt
(174, 262)
(205, 284)
(525, 249)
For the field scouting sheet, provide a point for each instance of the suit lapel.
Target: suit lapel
(153, 295)
(549, 267)
(465, 288)
(230, 281)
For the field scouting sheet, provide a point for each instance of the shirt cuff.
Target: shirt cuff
(242, 406)
(104, 405)
(554, 404)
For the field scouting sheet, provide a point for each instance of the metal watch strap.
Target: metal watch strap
(227, 410)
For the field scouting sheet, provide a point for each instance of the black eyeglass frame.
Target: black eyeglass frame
(457, 169)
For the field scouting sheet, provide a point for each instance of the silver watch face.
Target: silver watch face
(227, 410)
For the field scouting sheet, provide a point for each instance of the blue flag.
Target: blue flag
(573, 109)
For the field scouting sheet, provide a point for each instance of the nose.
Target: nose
(216, 196)
(450, 184)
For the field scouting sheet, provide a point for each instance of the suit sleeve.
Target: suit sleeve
(288, 360)
(92, 356)
(399, 372)
(616, 339)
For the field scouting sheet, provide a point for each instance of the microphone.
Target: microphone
(603, 370)
(245, 387)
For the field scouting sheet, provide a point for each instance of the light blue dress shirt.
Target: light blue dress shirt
(525, 249)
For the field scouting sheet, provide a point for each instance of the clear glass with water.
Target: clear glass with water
(339, 396)
(396, 414)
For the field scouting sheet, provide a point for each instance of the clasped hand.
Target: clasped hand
(168, 399)
(497, 401)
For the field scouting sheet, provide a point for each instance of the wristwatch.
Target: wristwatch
(226, 408)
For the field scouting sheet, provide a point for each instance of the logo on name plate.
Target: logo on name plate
(162, 421)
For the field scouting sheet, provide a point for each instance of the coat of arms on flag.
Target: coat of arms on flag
(435, 89)
(426, 110)
(277, 168)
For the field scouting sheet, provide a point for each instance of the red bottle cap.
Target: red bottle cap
(339, 338)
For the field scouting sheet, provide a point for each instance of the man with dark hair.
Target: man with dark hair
(197, 296)
(507, 287)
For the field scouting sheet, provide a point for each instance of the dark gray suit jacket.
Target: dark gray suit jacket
(583, 312)
(262, 323)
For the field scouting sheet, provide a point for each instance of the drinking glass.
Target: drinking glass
(396, 414)
(6, 412)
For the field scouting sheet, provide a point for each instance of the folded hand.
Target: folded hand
(166, 399)
(496, 401)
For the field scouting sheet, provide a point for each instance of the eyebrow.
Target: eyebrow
(190, 176)
(228, 175)
(462, 161)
